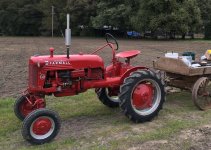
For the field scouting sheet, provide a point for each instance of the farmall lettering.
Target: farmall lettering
(57, 63)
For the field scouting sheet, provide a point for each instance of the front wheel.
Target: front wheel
(142, 96)
(41, 126)
(26, 104)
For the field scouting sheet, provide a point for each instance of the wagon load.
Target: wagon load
(185, 73)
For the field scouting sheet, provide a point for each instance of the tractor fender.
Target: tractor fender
(128, 72)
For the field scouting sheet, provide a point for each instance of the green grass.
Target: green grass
(88, 124)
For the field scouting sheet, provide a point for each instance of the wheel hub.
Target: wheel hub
(41, 126)
(142, 96)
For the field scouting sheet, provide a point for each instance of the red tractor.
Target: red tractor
(138, 91)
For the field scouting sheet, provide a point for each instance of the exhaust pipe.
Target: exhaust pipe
(68, 36)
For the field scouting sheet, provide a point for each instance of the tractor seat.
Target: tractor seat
(128, 54)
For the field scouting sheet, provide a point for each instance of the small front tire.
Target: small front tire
(26, 104)
(41, 126)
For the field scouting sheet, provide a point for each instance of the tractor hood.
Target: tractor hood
(78, 61)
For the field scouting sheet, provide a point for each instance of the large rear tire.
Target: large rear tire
(142, 96)
(107, 100)
(41, 126)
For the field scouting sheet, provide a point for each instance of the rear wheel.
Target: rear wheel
(26, 104)
(103, 95)
(41, 126)
(142, 96)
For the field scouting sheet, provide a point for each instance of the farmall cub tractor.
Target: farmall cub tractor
(138, 91)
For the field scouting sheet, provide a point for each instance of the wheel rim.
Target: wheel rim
(146, 97)
(202, 94)
(29, 104)
(112, 98)
(42, 127)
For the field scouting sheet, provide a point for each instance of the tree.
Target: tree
(45, 6)
(8, 17)
(80, 13)
(169, 16)
(112, 13)
(205, 7)
(19, 17)
(33, 17)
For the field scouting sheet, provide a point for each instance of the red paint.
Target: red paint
(77, 73)
(25, 108)
(51, 51)
(128, 54)
(61, 61)
(41, 126)
(142, 96)
(31, 103)
(62, 76)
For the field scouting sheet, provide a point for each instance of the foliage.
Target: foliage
(45, 6)
(112, 13)
(33, 17)
(180, 16)
(80, 13)
(19, 17)
(205, 7)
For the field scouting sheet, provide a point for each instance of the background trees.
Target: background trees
(163, 17)
(112, 13)
(205, 7)
(80, 13)
(167, 16)
(20, 17)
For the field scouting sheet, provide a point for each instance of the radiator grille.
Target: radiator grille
(33, 70)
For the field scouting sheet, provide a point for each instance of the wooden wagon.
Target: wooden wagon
(195, 79)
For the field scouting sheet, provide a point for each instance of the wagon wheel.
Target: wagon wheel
(201, 93)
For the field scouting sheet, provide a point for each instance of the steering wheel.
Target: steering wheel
(110, 39)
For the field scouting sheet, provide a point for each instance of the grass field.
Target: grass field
(88, 124)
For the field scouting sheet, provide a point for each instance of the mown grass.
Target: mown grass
(87, 124)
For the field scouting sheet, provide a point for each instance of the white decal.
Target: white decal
(57, 63)
(42, 76)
